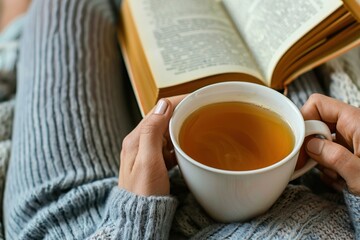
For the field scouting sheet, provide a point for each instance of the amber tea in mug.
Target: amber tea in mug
(236, 136)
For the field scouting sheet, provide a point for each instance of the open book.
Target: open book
(173, 47)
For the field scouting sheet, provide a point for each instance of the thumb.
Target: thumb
(149, 173)
(336, 157)
(153, 129)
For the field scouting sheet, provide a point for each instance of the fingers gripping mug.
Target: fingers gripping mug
(237, 145)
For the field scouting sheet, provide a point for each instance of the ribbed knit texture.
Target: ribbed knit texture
(300, 90)
(71, 116)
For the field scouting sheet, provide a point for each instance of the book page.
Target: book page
(189, 39)
(270, 27)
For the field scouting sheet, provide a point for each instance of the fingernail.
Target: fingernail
(315, 146)
(161, 107)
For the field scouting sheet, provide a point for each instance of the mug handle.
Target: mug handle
(312, 127)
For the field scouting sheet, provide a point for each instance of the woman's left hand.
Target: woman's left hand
(147, 153)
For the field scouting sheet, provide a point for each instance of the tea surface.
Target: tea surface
(236, 136)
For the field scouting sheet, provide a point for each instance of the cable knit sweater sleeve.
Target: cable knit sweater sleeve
(71, 115)
(135, 217)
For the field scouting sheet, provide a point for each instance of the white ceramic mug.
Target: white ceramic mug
(239, 195)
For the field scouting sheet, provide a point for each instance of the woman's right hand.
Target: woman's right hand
(339, 160)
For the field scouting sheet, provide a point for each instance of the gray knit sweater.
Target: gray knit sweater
(74, 106)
